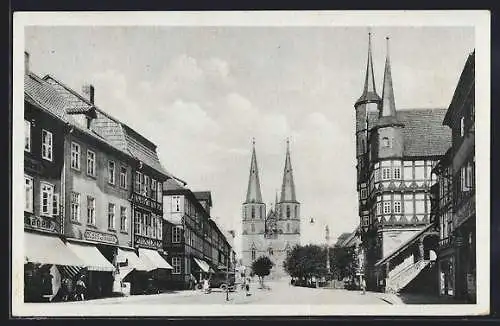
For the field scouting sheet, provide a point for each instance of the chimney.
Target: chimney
(88, 91)
(26, 62)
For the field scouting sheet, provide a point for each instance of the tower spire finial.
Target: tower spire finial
(388, 103)
(253, 141)
(369, 90)
(253, 192)
(288, 186)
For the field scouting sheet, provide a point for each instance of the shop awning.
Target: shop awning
(92, 257)
(46, 249)
(154, 259)
(131, 261)
(202, 264)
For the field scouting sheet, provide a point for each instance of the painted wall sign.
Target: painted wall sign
(38, 222)
(100, 237)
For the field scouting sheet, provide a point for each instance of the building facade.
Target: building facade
(456, 204)
(197, 246)
(275, 232)
(395, 151)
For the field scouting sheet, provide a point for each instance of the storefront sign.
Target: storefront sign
(147, 242)
(100, 237)
(38, 222)
(146, 202)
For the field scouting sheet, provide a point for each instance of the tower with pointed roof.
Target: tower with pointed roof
(278, 230)
(395, 151)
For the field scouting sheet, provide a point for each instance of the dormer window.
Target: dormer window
(386, 142)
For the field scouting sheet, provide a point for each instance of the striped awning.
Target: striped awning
(48, 249)
(69, 271)
(92, 257)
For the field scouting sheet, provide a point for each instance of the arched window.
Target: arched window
(288, 212)
(252, 227)
(261, 211)
(253, 254)
(253, 212)
(296, 211)
(288, 227)
(270, 251)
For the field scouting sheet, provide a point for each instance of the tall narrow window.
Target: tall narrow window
(296, 212)
(90, 163)
(90, 210)
(137, 222)
(252, 227)
(75, 156)
(153, 189)
(46, 200)
(397, 206)
(270, 251)
(253, 212)
(462, 126)
(288, 227)
(287, 211)
(111, 172)
(138, 182)
(46, 145)
(123, 219)
(75, 206)
(27, 136)
(176, 264)
(154, 226)
(111, 216)
(387, 207)
(55, 205)
(123, 177)
(159, 196)
(386, 173)
(176, 234)
(146, 186)
(176, 204)
(28, 194)
(397, 172)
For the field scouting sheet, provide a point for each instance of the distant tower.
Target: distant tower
(253, 216)
(367, 112)
(288, 206)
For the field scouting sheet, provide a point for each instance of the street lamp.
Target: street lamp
(327, 239)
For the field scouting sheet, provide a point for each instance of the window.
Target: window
(420, 207)
(153, 189)
(288, 227)
(386, 142)
(146, 191)
(123, 177)
(253, 212)
(409, 210)
(176, 264)
(397, 173)
(296, 211)
(138, 182)
(462, 126)
(419, 173)
(75, 156)
(137, 222)
(253, 254)
(176, 204)
(287, 211)
(111, 216)
(377, 175)
(386, 173)
(159, 186)
(408, 172)
(379, 208)
(27, 136)
(90, 210)
(90, 163)
(270, 251)
(111, 172)
(123, 219)
(397, 206)
(252, 227)
(46, 145)
(387, 207)
(363, 193)
(75, 206)
(47, 199)
(28, 194)
(55, 205)
(154, 226)
(176, 234)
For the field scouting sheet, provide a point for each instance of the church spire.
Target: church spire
(253, 192)
(369, 91)
(388, 103)
(288, 186)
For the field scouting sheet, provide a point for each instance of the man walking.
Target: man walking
(363, 285)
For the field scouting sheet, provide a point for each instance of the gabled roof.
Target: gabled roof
(115, 131)
(288, 185)
(423, 132)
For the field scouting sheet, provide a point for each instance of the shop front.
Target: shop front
(46, 256)
(447, 275)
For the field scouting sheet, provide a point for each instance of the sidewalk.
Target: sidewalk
(416, 298)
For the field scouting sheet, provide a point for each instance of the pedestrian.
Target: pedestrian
(81, 288)
(247, 287)
(363, 285)
(206, 286)
(66, 289)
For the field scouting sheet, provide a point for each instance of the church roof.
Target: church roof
(423, 132)
(254, 194)
(369, 91)
(288, 186)
(388, 109)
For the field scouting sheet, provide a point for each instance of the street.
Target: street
(280, 292)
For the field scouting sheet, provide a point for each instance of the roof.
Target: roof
(203, 195)
(115, 131)
(406, 244)
(423, 132)
(342, 238)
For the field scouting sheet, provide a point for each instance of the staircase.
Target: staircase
(404, 277)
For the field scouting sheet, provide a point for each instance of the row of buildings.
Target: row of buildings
(416, 190)
(99, 203)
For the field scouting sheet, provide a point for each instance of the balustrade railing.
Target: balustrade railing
(401, 279)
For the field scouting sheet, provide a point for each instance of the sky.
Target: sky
(202, 93)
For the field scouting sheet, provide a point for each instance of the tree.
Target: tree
(306, 262)
(343, 261)
(262, 267)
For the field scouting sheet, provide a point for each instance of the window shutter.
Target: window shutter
(55, 205)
